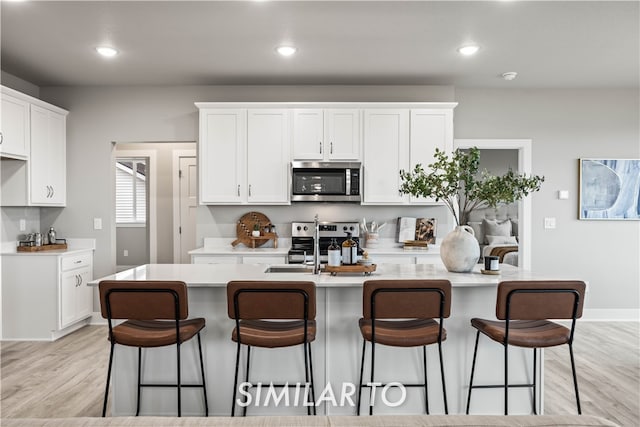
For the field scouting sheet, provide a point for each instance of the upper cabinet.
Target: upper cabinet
(39, 177)
(245, 149)
(400, 138)
(244, 156)
(14, 131)
(326, 134)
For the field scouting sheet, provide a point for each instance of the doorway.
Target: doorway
(185, 190)
(523, 148)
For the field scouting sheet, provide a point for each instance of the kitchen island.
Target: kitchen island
(336, 351)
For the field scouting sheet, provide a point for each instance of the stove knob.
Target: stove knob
(351, 228)
(298, 228)
(344, 228)
(306, 228)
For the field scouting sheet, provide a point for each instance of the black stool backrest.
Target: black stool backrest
(540, 299)
(404, 299)
(143, 300)
(266, 299)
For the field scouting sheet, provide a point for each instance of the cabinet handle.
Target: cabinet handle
(320, 147)
(48, 192)
(80, 277)
(76, 280)
(238, 190)
(78, 261)
(249, 190)
(53, 191)
(1, 138)
(331, 148)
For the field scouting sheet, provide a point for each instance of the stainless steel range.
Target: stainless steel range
(302, 239)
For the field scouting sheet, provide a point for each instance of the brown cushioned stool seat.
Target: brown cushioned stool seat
(403, 333)
(155, 333)
(269, 334)
(525, 333)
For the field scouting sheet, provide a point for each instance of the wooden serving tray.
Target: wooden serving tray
(54, 247)
(357, 268)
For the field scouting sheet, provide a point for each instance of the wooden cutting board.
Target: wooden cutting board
(244, 228)
(54, 247)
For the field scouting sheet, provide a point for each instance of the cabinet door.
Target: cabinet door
(222, 155)
(213, 259)
(268, 152)
(84, 293)
(47, 162)
(430, 129)
(386, 144)
(68, 289)
(342, 134)
(14, 136)
(308, 134)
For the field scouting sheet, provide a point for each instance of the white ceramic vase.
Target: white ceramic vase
(460, 250)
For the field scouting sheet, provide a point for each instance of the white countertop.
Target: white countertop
(218, 275)
(73, 246)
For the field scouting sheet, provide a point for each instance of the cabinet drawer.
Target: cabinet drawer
(76, 261)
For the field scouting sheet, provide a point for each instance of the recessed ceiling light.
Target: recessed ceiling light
(106, 51)
(286, 50)
(468, 49)
(509, 75)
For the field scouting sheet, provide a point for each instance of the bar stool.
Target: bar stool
(413, 304)
(523, 308)
(156, 313)
(273, 314)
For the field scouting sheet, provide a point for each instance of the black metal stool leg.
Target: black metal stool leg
(235, 381)
(535, 353)
(426, 388)
(246, 376)
(179, 380)
(313, 391)
(444, 386)
(506, 379)
(204, 385)
(364, 342)
(139, 380)
(306, 375)
(373, 359)
(473, 368)
(575, 379)
(106, 388)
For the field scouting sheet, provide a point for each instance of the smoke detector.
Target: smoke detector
(509, 75)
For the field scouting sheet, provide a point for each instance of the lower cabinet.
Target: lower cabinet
(45, 296)
(238, 259)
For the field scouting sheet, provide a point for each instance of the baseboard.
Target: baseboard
(97, 319)
(611, 315)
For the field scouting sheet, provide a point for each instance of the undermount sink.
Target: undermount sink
(288, 269)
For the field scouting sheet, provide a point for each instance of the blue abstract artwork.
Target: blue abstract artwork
(610, 189)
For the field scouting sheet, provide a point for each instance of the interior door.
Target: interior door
(188, 205)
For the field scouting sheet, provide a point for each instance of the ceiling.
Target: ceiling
(550, 44)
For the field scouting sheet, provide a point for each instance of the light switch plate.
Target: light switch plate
(563, 194)
(23, 225)
(549, 223)
(97, 223)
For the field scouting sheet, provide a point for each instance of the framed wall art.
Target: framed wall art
(609, 189)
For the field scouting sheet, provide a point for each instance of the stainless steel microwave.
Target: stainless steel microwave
(326, 182)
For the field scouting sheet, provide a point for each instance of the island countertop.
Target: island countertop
(218, 275)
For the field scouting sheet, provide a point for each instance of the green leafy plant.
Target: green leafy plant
(455, 182)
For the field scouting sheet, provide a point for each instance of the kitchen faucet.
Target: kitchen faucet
(316, 245)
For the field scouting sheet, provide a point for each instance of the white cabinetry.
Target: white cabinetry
(332, 134)
(244, 156)
(14, 131)
(48, 157)
(396, 139)
(40, 129)
(386, 151)
(238, 259)
(45, 296)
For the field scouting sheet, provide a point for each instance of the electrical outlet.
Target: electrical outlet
(97, 223)
(23, 225)
(125, 253)
(549, 223)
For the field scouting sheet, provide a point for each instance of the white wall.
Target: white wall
(566, 125)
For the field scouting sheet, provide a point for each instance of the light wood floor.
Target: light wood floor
(66, 378)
